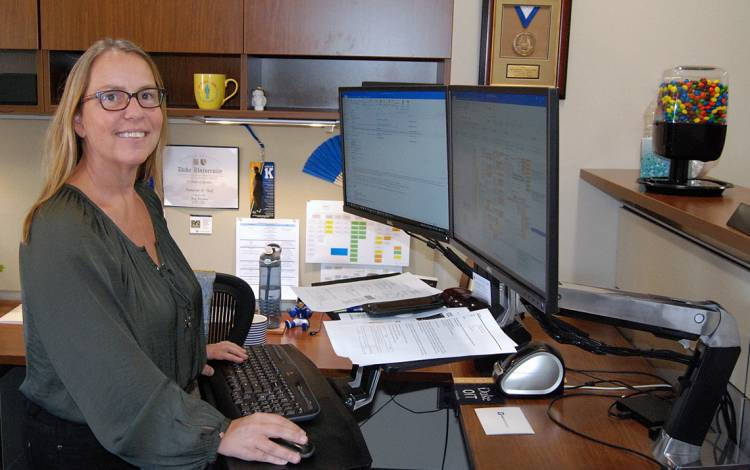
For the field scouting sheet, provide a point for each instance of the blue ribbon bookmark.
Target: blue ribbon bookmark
(526, 20)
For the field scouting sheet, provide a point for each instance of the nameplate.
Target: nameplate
(477, 394)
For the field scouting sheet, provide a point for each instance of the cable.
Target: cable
(614, 389)
(449, 254)
(320, 326)
(414, 411)
(376, 411)
(447, 429)
(564, 333)
(624, 372)
(593, 439)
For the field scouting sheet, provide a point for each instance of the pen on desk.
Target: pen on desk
(348, 310)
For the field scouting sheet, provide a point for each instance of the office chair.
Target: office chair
(232, 310)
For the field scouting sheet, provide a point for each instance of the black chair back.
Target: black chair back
(232, 310)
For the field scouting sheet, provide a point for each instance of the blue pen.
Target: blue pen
(348, 310)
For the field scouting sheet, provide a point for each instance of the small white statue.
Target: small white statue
(259, 99)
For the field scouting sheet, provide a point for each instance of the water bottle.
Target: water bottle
(269, 291)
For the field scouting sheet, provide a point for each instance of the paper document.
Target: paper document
(503, 420)
(14, 317)
(456, 334)
(252, 237)
(352, 294)
(334, 236)
(333, 272)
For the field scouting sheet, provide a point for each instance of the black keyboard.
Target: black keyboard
(270, 381)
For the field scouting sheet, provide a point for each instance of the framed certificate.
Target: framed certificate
(525, 44)
(205, 177)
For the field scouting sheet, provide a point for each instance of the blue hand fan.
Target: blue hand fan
(325, 161)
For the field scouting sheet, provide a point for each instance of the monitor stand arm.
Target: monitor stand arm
(717, 350)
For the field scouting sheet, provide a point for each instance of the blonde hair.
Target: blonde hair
(62, 146)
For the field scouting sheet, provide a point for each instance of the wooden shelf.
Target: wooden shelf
(704, 218)
(300, 53)
(285, 113)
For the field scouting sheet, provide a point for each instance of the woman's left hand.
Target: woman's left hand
(227, 351)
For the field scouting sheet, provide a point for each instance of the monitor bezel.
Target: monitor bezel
(409, 225)
(547, 302)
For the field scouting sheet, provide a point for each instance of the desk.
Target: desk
(550, 447)
(703, 218)
(12, 350)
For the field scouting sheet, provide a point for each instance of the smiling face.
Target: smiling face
(118, 140)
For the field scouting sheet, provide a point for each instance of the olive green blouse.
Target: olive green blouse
(112, 339)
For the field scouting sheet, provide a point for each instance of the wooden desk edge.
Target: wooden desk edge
(714, 231)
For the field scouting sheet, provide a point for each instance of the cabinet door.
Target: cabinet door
(198, 26)
(367, 28)
(18, 24)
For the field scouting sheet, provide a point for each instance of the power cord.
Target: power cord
(565, 333)
(445, 443)
(320, 326)
(590, 438)
(449, 254)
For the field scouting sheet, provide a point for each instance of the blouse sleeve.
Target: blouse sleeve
(73, 313)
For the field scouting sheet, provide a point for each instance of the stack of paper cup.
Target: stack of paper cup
(257, 333)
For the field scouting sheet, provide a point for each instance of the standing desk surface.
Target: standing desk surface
(550, 447)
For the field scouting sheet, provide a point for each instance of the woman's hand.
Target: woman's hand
(248, 439)
(227, 351)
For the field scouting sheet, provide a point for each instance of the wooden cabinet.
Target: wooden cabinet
(375, 28)
(18, 24)
(20, 62)
(299, 51)
(190, 26)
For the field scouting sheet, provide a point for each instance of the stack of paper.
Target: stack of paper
(454, 333)
(353, 294)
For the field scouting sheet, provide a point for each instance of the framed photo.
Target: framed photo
(196, 176)
(525, 43)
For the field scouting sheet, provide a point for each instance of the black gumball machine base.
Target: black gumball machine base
(681, 143)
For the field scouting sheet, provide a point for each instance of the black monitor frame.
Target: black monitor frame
(547, 301)
(409, 225)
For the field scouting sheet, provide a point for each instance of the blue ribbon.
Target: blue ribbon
(526, 20)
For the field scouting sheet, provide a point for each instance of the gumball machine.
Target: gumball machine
(690, 123)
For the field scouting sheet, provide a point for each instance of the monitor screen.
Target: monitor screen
(504, 188)
(395, 152)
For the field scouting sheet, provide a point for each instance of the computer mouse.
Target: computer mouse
(304, 450)
(535, 370)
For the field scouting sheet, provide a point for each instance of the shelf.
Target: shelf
(300, 53)
(19, 82)
(284, 113)
(313, 82)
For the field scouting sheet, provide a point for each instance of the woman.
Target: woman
(112, 310)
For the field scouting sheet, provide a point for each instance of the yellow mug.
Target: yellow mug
(210, 89)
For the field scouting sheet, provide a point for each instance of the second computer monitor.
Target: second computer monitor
(504, 186)
(395, 152)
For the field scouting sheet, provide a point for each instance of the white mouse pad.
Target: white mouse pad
(503, 420)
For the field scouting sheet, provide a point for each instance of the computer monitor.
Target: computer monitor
(504, 186)
(395, 156)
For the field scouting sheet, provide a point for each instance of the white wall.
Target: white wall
(618, 50)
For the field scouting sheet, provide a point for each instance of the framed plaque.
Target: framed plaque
(525, 43)
(198, 176)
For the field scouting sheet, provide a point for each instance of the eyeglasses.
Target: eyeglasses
(117, 100)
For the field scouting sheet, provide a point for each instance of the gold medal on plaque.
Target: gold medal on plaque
(524, 43)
